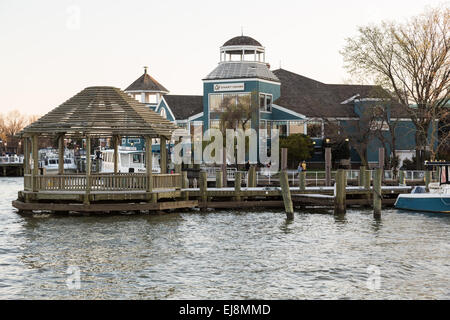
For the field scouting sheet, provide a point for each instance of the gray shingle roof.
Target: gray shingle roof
(146, 83)
(184, 106)
(316, 99)
(236, 70)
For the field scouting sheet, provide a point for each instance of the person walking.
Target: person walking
(304, 165)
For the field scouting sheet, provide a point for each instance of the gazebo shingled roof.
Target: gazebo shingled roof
(101, 111)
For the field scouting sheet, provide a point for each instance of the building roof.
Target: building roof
(316, 99)
(242, 41)
(239, 70)
(101, 111)
(146, 83)
(184, 107)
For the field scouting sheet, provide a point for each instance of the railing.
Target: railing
(102, 182)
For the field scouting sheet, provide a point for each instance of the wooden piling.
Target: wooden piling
(237, 185)
(284, 156)
(203, 184)
(219, 179)
(302, 181)
(362, 171)
(401, 178)
(328, 166)
(377, 197)
(251, 183)
(427, 178)
(367, 183)
(340, 196)
(286, 193)
(185, 185)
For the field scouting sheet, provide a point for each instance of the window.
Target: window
(281, 126)
(163, 113)
(314, 129)
(214, 124)
(218, 102)
(137, 96)
(136, 158)
(265, 102)
(296, 127)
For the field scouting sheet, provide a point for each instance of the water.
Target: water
(223, 255)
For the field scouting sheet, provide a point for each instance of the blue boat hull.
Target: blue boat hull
(424, 202)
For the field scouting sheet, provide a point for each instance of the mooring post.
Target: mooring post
(251, 176)
(362, 171)
(427, 178)
(185, 185)
(381, 161)
(237, 185)
(401, 178)
(302, 181)
(340, 196)
(367, 184)
(284, 154)
(328, 167)
(34, 154)
(377, 197)
(219, 179)
(203, 188)
(286, 193)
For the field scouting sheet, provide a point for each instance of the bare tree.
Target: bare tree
(411, 60)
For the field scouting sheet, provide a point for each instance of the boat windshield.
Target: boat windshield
(443, 175)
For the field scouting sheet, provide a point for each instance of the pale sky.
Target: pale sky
(46, 56)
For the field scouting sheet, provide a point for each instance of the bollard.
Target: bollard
(340, 196)
(427, 179)
(362, 171)
(203, 189)
(302, 181)
(401, 178)
(286, 193)
(237, 186)
(377, 197)
(185, 185)
(219, 179)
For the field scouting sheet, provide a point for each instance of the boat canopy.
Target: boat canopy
(444, 170)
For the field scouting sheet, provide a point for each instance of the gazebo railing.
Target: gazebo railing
(102, 182)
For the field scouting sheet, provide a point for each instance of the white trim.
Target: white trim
(283, 109)
(168, 108)
(146, 91)
(350, 99)
(195, 116)
(239, 79)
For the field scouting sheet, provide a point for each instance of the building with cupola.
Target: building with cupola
(285, 100)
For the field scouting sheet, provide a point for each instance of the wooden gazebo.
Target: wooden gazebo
(98, 112)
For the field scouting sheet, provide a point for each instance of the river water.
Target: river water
(222, 255)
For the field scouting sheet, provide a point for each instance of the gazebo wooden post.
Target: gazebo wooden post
(88, 170)
(34, 151)
(61, 154)
(116, 153)
(26, 158)
(163, 154)
(148, 166)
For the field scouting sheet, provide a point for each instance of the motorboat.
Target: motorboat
(49, 159)
(129, 160)
(435, 199)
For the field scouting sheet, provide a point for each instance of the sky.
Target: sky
(51, 50)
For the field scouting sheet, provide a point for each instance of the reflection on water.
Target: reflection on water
(222, 254)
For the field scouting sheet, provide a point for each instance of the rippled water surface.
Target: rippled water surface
(223, 254)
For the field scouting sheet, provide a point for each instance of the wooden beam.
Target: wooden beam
(149, 165)
(61, 154)
(328, 166)
(163, 154)
(88, 170)
(34, 151)
(340, 196)
(116, 153)
(286, 193)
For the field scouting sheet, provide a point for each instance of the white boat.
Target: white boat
(129, 160)
(436, 200)
(49, 159)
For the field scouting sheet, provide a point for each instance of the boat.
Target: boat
(49, 159)
(130, 160)
(436, 199)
